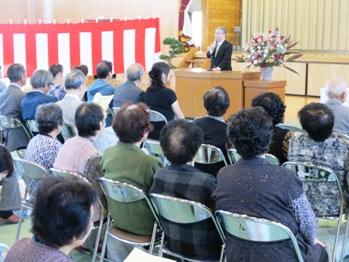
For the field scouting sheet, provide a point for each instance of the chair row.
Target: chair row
(162, 206)
(183, 211)
(307, 172)
(30, 127)
(207, 154)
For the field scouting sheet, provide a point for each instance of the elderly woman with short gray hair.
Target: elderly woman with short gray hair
(43, 148)
(41, 82)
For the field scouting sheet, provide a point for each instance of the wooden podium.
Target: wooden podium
(191, 85)
(254, 88)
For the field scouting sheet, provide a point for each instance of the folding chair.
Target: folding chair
(271, 159)
(256, 229)
(32, 126)
(67, 131)
(234, 156)
(181, 211)
(31, 171)
(11, 123)
(290, 127)
(126, 193)
(156, 116)
(19, 153)
(154, 148)
(209, 154)
(308, 172)
(64, 173)
(3, 251)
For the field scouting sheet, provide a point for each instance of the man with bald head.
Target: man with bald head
(129, 91)
(337, 91)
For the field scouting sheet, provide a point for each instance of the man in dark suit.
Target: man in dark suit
(220, 51)
(10, 101)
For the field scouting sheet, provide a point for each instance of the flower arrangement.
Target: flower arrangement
(268, 50)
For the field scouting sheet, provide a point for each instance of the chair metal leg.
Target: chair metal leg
(222, 253)
(19, 226)
(345, 238)
(105, 238)
(95, 250)
(162, 244)
(336, 239)
(152, 243)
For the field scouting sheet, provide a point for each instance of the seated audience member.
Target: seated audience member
(10, 103)
(41, 81)
(216, 102)
(337, 91)
(275, 108)
(129, 91)
(3, 86)
(256, 188)
(75, 85)
(79, 153)
(160, 98)
(101, 85)
(61, 221)
(180, 141)
(10, 198)
(126, 162)
(320, 146)
(44, 147)
(57, 90)
(82, 68)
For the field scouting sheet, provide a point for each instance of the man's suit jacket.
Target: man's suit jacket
(223, 57)
(10, 102)
(126, 92)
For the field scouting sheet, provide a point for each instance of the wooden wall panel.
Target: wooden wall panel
(319, 74)
(220, 13)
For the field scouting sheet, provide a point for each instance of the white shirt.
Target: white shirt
(218, 45)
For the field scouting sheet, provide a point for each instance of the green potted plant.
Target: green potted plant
(175, 48)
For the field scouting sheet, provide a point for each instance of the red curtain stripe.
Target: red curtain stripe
(74, 30)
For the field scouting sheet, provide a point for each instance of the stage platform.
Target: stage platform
(314, 69)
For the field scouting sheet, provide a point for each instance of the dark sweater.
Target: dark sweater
(214, 134)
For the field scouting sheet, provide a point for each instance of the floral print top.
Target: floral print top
(331, 153)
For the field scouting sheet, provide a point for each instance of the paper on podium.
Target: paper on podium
(138, 255)
(102, 101)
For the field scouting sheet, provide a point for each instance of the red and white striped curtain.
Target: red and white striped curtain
(36, 46)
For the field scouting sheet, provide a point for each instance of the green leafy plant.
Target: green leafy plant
(175, 48)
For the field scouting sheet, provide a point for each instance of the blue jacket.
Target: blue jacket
(100, 86)
(31, 101)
